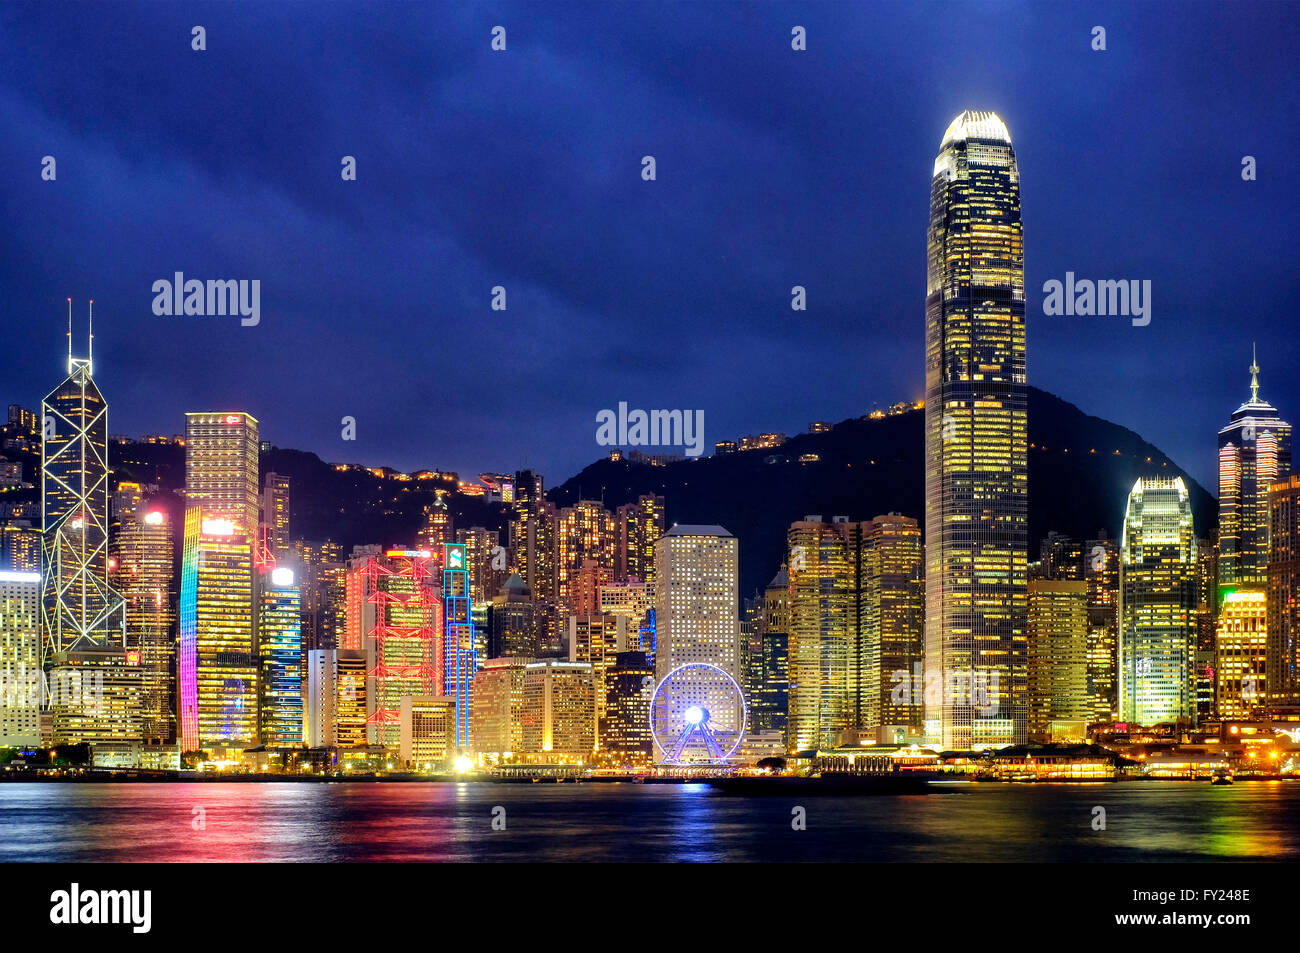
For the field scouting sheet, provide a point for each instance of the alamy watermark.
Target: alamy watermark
(977, 688)
(654, 428)
(1105, 298)
(212, 298)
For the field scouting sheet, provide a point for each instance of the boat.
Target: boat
(1221, 776)
(824, 784)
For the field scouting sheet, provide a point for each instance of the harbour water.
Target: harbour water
(387, 822)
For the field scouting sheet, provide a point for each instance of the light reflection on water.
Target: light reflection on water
(366, 821)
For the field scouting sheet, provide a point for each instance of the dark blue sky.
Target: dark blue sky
(522, 169)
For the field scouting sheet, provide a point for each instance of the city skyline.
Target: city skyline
(706, 433)
(362, 316)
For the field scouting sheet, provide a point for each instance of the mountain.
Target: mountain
(1081, 469)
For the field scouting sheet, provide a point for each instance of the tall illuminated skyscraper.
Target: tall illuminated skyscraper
(275, 514)
(395, 614)
(1254, 452)
(891, 618)
(636, 527)
(218, 670)
(142, 551)
(533, 527)
(221, 451)
(78, 606)
(823, 634)
(279, 650)
(696, 599)
(976, 438)
(1283, 649)
(458, 642)
(1157, 604)
(93, 683)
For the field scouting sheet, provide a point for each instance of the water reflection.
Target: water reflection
(375, 822)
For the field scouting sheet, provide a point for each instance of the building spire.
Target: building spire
(1254, 376)
(69, 335)
(90, 344)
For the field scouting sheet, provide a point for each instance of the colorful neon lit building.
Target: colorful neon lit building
(458, 642)
(395, 615)
(279, 636)
(218, 667)
(142, 553)
(1240, 675)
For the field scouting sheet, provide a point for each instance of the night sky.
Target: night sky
(523, 169)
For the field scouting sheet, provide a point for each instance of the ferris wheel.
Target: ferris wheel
(697, 715)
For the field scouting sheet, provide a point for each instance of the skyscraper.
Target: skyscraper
(696, 598)
(79, 609)
(1240, 682)
(217, 669)
(823, 633)
(221, 453)
(892, 619)
(1283, 649)
(1254, 452)
(279, 651)
(142, 551)
(976, 436)
(637, 526)
(1157, 604)
(1058, 658)
(275, 514)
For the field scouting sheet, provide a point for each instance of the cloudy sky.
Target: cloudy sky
(522, 169)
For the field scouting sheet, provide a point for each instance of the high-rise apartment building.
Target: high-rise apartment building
(275, 515)
(976, 439)
(636, 528)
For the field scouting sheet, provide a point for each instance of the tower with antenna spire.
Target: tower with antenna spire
(93, 688)
(1254, 453)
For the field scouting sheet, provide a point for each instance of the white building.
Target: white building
(696, 599)
(20, 667)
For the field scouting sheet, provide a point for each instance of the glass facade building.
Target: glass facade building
(976, 439)
(1158, 567)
